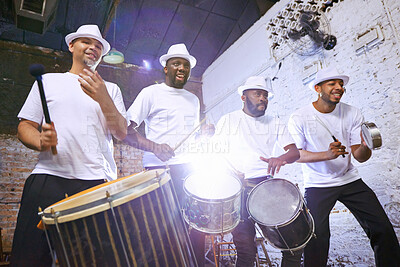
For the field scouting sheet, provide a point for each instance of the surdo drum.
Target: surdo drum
(212, 207)
(132, 221)
(278, 207)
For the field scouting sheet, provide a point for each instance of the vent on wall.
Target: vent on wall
(35, 15)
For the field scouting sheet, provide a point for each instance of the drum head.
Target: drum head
(274, 202)
(212, 189)
(97, 199)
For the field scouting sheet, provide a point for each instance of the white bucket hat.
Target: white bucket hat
(257, 82)
(90, 31)
(178, 50)
(327, 74)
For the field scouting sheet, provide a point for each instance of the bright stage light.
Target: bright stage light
(146, 64)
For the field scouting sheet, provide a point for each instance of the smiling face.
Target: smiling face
(255, 102)
(177, 72)
(86, 50)
(330, 91)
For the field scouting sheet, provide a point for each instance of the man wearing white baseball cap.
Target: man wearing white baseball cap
(86, 112)
(252, 136)
(329, 175)
(170, 113)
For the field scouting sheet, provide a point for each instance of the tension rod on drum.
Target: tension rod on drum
(108, 196)
(61, 239)
(47, 235)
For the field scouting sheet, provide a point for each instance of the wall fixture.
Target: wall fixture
(114, 56)
(368, 39)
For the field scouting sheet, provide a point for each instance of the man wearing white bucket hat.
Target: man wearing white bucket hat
(86, 112)
(170, 113)
(252, 136)
(329, 175)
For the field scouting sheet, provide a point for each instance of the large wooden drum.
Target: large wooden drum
(132, 221)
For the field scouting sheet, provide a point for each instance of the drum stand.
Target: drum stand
(224, 252)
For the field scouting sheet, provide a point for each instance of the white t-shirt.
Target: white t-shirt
(247, 138)
(85, 145)
(345, 124)
(170, 114)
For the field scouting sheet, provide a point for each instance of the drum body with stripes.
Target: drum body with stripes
(279, 209)
(132, 221)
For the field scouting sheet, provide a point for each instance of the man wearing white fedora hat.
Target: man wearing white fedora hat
(170, 113)
(329, 175)
(252, 137)
(86, 112)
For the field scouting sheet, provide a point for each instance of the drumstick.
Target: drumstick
(186, 137)
(323, 124)
(37, 70)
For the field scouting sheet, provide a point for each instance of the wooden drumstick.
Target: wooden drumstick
(190, 134)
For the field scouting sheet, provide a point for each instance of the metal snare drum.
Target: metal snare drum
(213, 208)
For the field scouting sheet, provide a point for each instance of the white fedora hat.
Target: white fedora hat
(257, 82)
(327, 74)
(90, 31)
(178, 50)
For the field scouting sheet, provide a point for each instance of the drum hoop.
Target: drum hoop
(213, 200)
(295, 214)
(103, 204)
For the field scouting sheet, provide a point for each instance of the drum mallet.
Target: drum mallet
(326, 127)
(190, 134)
(37, 70)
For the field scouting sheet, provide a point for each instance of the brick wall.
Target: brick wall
(373, 87)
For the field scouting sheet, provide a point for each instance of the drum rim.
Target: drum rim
(295, 214)
(136, 190)
(213, 200)
(224, 231)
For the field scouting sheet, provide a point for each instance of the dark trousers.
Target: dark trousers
(364, 205)
(244, 237)
(179, 173)
(30, 247)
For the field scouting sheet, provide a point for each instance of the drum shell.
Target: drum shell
(152, 231)
(213, 216)
(293, 235)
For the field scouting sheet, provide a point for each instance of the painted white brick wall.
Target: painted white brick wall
(373, 87)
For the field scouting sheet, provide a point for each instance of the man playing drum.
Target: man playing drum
(170, 113)
(330, 176)
(252, 136)
(86, 112)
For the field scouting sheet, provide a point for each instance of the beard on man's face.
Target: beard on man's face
(254, 108)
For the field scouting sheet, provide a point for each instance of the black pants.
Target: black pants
(178, 174)
(245, 233)
(30, 247)
(363, 203)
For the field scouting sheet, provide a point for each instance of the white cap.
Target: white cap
(90, 31)
(327, 74)
(178, 50)
(257, 82)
